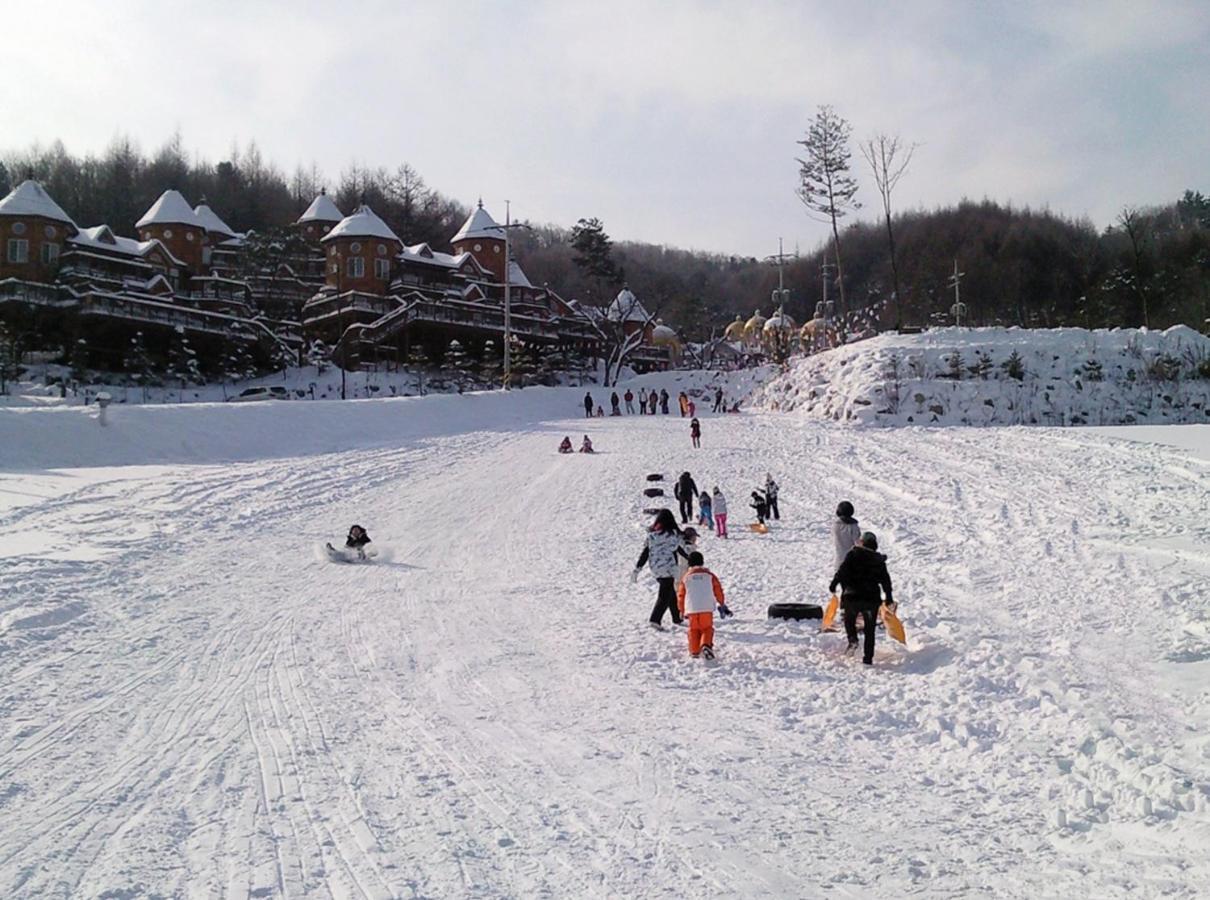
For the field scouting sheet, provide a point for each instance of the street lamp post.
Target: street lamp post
(509, 225)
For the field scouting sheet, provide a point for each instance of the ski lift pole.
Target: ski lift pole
(958, 310)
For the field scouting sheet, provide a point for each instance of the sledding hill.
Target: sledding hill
(1004, 376)
(192, 704)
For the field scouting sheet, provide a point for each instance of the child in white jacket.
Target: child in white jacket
(698, 593)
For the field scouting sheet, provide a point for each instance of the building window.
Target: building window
(382, 269)
(355, 247)
(49, 230)
(188, 235)
(50, 253)
(18, 228)
(478, 247)
(355, 267)
(496, 248)
(382, 249)
(333, 268)
(18, 249)
(167, 232)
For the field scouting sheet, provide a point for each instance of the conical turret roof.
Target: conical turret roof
(210, 220)
(362, 222)
(479, 224)
(170, 209)
(322, 209)
(30, 199)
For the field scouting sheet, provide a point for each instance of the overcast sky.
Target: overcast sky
(673, 122)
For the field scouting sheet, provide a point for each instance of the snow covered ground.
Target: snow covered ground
(1004, 376)
(193, 704)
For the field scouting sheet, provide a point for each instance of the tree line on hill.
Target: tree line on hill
(1021, 266)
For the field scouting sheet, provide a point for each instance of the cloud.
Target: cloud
(674, 122)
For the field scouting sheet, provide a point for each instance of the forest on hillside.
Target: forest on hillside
(1021, 266)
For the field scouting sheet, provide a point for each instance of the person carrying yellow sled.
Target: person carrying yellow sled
(862, 573)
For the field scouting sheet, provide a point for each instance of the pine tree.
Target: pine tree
(183, 363)
(79, 360)
(982, 364)
(594, 256)
(138, 363)
(418, 362)
(456, 362)
(954, 366)
(824, 184)
(1014, 366)
(491, 365)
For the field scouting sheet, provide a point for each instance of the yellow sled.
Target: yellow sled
(893, 626)
(759, 528)
(829, 614)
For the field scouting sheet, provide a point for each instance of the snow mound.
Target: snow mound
(1004, 376)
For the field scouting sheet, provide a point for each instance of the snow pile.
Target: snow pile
(1004, 376)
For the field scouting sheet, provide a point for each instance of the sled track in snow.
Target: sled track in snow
(193, 705)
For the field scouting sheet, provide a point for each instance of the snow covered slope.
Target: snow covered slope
(193, 705)
(1005, 376)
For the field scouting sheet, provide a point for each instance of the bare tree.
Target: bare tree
(888, 158)
(824, 184)
(1138, 230)
(621, 341)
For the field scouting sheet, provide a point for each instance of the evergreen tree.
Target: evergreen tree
(319, 355)
(1014, 366)
(6, 184)
(183, 363)
(418, 361)
(456, 362)
(824, 184)
(593, 255)
(138, 363)
(491, 365)
(78, 360)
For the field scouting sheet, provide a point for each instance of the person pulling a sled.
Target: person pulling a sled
(565, 446)
(761, 505)
(586, 445)
(660, 552)
(696, 596)
(860, 577)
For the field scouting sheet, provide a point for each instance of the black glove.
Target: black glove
(724, 611)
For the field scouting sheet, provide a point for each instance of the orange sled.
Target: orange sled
(829, 615)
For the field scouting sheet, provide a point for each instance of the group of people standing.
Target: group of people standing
(651, 402)
(688, 588)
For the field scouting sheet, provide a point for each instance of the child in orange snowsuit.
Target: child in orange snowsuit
(696, 596)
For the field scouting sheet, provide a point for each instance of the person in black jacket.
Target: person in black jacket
(664, 402)
(615, 400)
(685, 491)
(861, 575)
(588, 405)
(357, 540)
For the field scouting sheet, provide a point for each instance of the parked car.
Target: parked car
(260, 393)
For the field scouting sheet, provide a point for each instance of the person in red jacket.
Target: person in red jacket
(696, 596)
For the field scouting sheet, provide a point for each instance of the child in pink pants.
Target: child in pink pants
(720, 513)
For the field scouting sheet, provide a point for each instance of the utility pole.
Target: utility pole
(959, 308)
(825, 271)
(781, 294)
(508, 309)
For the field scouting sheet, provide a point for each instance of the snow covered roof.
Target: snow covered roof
(170, 209)
(30, 199)
(362, 222)
(626, 307)
(423, 253)
(516, 275)
(101, 237)
(322, 209)
(479, 224)
(210, 220)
